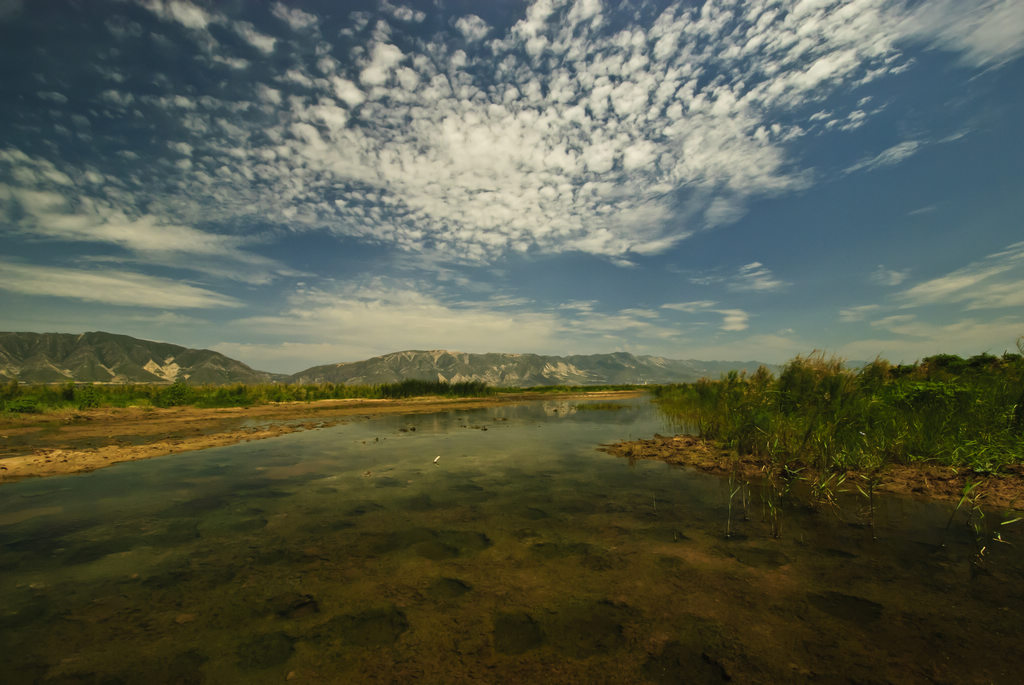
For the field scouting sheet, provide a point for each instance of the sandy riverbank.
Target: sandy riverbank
(73, 442)
(1004, 491)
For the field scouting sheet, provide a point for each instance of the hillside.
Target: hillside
(109, 358)
(99, 357)
(519, 370)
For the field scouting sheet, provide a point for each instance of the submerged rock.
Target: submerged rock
(517, 632)
(293, 605)
(185, 668)
(371, 628)
(846, 607)
(447, 588)
(264, 651)
(591, 628)
(678, 663)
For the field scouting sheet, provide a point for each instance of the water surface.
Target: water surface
(523, 554)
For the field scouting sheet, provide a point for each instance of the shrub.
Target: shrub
(23, 405)
(87, 397)
(174, 395)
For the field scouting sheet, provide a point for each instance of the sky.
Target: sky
(305, 183)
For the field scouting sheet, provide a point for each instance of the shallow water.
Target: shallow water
(523, 555)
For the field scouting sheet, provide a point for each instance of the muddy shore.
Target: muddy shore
(1003, 491)
(77, 441)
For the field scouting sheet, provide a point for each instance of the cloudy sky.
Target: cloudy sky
(303, 183)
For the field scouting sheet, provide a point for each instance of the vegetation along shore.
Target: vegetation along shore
(945, 427)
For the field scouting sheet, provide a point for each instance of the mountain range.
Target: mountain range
(110, 358)
(519, 370)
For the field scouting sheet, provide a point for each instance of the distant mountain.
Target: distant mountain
(521, 370)
(110, 358)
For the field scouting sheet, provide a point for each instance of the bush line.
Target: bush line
(819, 413)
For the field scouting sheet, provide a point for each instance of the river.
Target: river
(493, 545)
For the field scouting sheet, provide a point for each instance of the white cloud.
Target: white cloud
(689, 307)
(347, 92)
(261, 42)
(185, 13)
(52, 96)
(382, 315)
(472, 27)
(883, 276)
(992, 283)
(367, 320)
(859, 313)
(62, 212)
(109, 287)
(403, 13)
(755, 276)
(117, 98)
(571, 131)
(122, 28)
(269, 95)
(579, 305)
(640, 312)
(918, 339)
(233, 62)
(384, 58)
(893, 322)
(888, 157)
(294, 17)
(769, 347)
(723, 210)
(982, 31)
(734, 319)
(52, 217)
(289, 357)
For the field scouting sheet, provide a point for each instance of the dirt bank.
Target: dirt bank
(72, 442)
(1005, 491)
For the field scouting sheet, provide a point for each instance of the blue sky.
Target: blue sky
(305, 183)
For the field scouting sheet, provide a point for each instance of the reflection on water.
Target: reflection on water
(523, 554)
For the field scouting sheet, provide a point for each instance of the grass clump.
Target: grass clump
(599, 406)
(819, 413)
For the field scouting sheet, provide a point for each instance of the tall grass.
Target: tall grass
(40, 398)
(818, 413)
(27, 399)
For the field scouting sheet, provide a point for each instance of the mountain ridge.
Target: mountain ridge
(521, 369)
(113, 358)
(97, 356)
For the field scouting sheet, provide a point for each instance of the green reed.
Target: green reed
(821, 414)
(28, 399)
